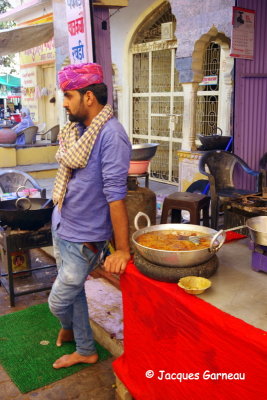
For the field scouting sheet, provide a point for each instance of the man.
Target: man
(90, 187)
(25, 123)
(2, 111)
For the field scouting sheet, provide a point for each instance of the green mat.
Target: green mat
(28, 363)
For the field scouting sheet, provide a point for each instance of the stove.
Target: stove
(253, 203)
(239, 209)
(27, 279)
(259, 257)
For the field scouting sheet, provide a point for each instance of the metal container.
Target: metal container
(258, 229)
(35, 217)
(7, 135)
(213, 142)
(140, 199)
(178, 258)
(143, 151)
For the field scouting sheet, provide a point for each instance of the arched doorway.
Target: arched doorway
(214, 95)
(156, 95)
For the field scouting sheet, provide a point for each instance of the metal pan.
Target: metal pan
(178, 258)
(35, 217)
(258, 229)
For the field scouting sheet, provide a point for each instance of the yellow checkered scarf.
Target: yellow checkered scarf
(74, 151)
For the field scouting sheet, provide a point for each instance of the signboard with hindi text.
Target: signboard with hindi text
(43, 54)
(242, 43)
(78, 17)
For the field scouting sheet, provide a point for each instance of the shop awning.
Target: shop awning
(22, 38)
(9, 80)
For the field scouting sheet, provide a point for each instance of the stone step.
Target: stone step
(37, 171)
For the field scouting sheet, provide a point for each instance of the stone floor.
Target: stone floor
(93, 383)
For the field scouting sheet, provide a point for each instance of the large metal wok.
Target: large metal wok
(26, 214)
(178, 258)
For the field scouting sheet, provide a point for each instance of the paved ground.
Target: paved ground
(93, 383)
(157, 187)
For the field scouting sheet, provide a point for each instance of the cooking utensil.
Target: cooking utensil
(257, 227)
(23, 203)
(214, 141)
(26, 219)
(169, 258)
(195, 239)
(143, 151)
(46, 203)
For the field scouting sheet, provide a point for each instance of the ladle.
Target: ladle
(196, 241)
(24, 203)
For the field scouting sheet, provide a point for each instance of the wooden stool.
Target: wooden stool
(192, 202)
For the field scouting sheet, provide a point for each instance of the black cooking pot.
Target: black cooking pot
(214, 141)
(14, 214)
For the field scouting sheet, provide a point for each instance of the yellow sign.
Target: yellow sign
(42, 54)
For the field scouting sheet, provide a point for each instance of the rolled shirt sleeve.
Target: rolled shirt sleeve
(116, 153)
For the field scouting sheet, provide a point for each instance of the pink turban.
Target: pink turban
(78, 76)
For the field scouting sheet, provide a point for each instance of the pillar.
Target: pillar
(189, 119)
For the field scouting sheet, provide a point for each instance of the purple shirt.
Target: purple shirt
(85, 215)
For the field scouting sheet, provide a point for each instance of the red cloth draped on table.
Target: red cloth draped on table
(166, 329)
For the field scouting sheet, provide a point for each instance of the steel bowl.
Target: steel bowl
(178, 258)
(258, 229)
(143, 151)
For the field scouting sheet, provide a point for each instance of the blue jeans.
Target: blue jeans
(67, 300)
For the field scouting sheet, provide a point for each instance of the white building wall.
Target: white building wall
(122, 26)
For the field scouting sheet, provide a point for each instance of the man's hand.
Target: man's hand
(116, 262)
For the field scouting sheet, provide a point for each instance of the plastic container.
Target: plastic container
(138, 167)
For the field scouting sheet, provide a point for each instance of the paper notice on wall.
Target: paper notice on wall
(242, 43)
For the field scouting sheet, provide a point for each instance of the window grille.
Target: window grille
(157, 95)
(208, 95)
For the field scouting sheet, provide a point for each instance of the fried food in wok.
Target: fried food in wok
(173, 240)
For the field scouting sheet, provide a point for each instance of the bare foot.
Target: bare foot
(64, 335)
(75, 358)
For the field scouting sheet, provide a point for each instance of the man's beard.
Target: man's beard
(75, 118)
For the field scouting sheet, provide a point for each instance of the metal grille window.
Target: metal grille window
(157, 108)
(157, 96)
(208, 95)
